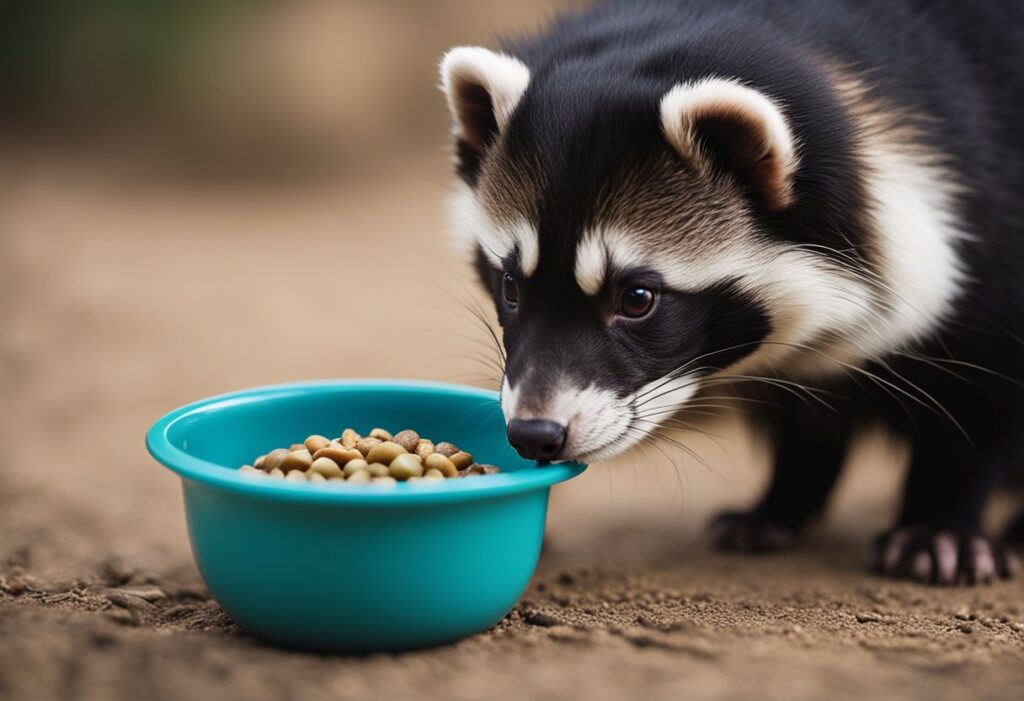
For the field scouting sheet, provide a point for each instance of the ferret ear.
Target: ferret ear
(483, 88)
(721, 123)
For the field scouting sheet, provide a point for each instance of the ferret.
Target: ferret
(814, 203)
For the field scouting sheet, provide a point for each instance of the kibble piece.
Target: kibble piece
(258, 463)
(360, 477)
(349, 438)
(296, 446)
(325, 467)
(384, 452)
(297, 460)
(250, 471)
(377, 469)
(338, 454)
(357, 465)
(461, 459)
(436, 461)
(433, 475)
(385, 481)
(405, 466)
(366, 444)
(424, 447)
(479, 469)
(316, 442)
(316, 477)
(407, 439)
(296, 476)
(380, 434)
(273, 459)
(276, 473)
(446, 449)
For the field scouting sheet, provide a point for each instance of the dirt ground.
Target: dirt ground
(122, 297)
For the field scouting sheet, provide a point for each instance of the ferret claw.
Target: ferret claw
(943, 557)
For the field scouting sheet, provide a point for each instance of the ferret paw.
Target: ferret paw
(749, 532)
(935, 556)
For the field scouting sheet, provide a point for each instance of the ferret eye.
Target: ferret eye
(636, 302)
(510, 289)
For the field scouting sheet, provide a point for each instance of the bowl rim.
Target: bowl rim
(189, 467)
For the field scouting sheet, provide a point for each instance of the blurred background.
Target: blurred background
(197, 197)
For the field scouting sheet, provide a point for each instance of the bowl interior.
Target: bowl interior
(207, 440)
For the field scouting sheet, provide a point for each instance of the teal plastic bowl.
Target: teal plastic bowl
(356, 568)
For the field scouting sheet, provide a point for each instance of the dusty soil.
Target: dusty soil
(122, 297)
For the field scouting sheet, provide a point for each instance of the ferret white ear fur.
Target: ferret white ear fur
(483, 88)
(722, 121)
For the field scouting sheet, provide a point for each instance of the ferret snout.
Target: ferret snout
(537, 439)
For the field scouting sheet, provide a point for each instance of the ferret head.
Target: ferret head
(639, 237)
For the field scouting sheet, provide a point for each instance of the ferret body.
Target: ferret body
(816, 202)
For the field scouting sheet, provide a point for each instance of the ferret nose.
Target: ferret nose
(536, 439)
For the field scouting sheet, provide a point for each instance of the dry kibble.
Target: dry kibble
(360, 477)
(407, 439)
(338, 454)
(273, 459)
(349, 438)
(297, 460)
(436, 461)
(325, 467)
(461, 460)
(357, 465)
(366, 444)
(479, 469)
(405, 466)
(378, 458)
(446, 449)
(424, 447)
(377, 469)
(315, 443)
(384, 452)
